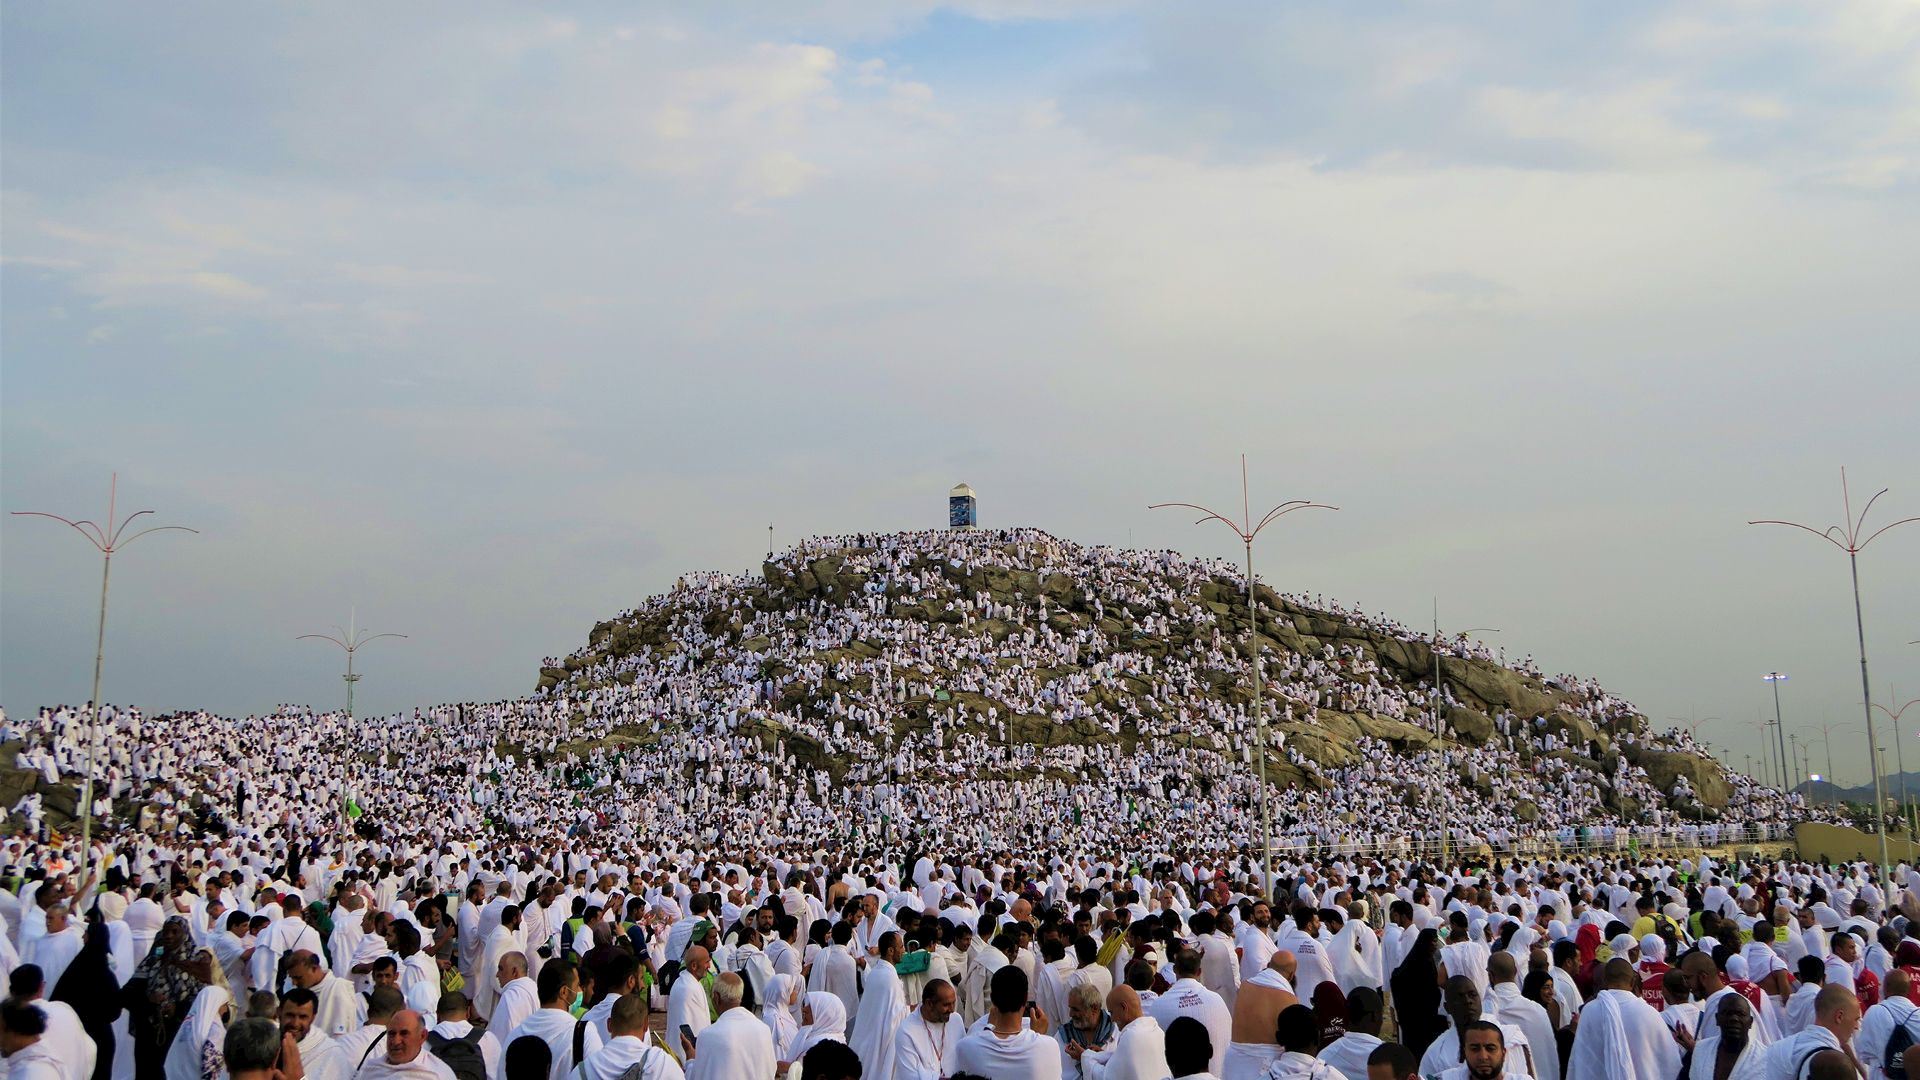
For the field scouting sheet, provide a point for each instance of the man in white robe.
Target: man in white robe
(290, 935)
(688, 1010)
(502, 938)
(55, 949)
(1736, 1035)
(1836, 1019)
(737, 1045)
(404, 1054)
(340, 1009)
(519, 995)
(882, 1007)
(628, 1047)
(1621, 1037)
(1505, 1004)
(319, 1053)
(927, 1046)
(1187, 997)
(554, 1024)
(1140, 1051)
(1348, 1053)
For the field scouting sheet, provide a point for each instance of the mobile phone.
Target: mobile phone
(686, 1032)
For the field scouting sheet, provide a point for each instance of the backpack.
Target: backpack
(1894, 1063)
(462, 1055)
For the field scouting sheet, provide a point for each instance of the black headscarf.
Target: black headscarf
(1416, 993)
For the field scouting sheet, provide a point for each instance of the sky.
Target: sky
(481, 322)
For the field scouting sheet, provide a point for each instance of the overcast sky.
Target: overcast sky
(489, 321)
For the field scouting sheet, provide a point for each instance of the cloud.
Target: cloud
(507, 326)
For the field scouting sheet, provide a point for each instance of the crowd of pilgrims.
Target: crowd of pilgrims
(618, 800)
(943, 724)
(373, 960)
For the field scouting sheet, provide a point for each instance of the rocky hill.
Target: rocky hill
(1037, 644)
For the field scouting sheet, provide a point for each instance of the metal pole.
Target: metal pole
(1247, 529)
(1900, 760)
(93, 720)
(106, 539)
(1866, 705)
(1779, 726)
(1260, 726)
(1852, 538)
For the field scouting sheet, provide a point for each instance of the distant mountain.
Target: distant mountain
(1820, 791)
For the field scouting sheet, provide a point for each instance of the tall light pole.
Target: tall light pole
(1246, 529)
(107, 540)
(350, 639)
(1826, 740)
(1794, 757)
(1779, 725)
(1856, 540)
(1766, 750)
(1893, 717)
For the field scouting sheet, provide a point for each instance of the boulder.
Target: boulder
(1664, 767)
(1470, 725)
(1496, 686)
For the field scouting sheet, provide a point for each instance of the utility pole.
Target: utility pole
(1853, 531)
(1246, 529)
(107, 541)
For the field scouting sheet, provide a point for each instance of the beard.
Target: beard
(1494, 1074)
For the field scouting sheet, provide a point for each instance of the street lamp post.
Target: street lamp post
(1893, 717)
(1246, 529)
(1826, 740)
(1779, 725)
(1853, 532)
(351, 640)
(107, 540)
(1794, 757)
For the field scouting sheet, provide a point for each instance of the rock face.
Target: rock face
(59, 802)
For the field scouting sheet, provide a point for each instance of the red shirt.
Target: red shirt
(1652, 990)
(1750, 991)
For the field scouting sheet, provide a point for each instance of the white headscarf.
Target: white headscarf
(829, 1023)
(777, 1011)
(203, 1025)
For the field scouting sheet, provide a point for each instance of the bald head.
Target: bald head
(1618, 974)
(1285, 963)
(1838, 1010)
(629, 1016)
(1897, 984)
(1124, 1005)
(1501, 968)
